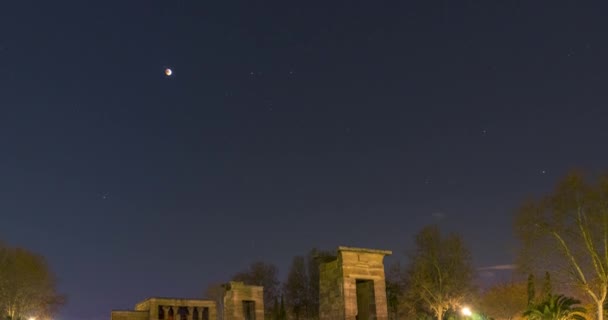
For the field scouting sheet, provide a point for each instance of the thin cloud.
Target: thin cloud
(499, 267)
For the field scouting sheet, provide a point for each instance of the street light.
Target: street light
(31, 318)
(466, 311)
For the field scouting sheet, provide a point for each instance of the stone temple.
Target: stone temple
(351, 287)
(241, 302)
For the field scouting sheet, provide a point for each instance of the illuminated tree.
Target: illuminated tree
(440, 272)
(27, 285)
(567, 232)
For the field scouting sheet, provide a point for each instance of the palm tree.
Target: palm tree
(556, 307)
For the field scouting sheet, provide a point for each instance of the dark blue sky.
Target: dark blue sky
(286, 125)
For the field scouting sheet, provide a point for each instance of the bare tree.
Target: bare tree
(27, 285)
(567, 232)
(440, 273)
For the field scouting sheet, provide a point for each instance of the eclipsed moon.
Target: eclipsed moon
(168, 72)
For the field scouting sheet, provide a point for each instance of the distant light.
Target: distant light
(168, 72)
(31, 318)
(466, 311)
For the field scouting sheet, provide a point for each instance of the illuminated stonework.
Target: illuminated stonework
(242, 302)
(352, 285)
(169, 309)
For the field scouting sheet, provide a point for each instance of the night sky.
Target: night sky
(285, 125)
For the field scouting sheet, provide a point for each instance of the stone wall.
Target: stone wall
(236, 294)
(354, 268)
(129, 315)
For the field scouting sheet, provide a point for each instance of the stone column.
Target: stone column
(166, 312)
(190, 313)
(175, 313)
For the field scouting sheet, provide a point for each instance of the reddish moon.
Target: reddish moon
(168, 72)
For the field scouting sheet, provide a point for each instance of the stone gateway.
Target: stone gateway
(352, 286)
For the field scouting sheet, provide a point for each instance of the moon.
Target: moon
(168, 72)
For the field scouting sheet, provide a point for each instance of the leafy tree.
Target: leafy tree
(296, 287)
(265, 275)
(301, 288)
(556, 307)
(547, 285)
(27, 285)
(275, 309)
(505, 301)
(567, 232)
(531, 289)
(440, 272)
(282, 311)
